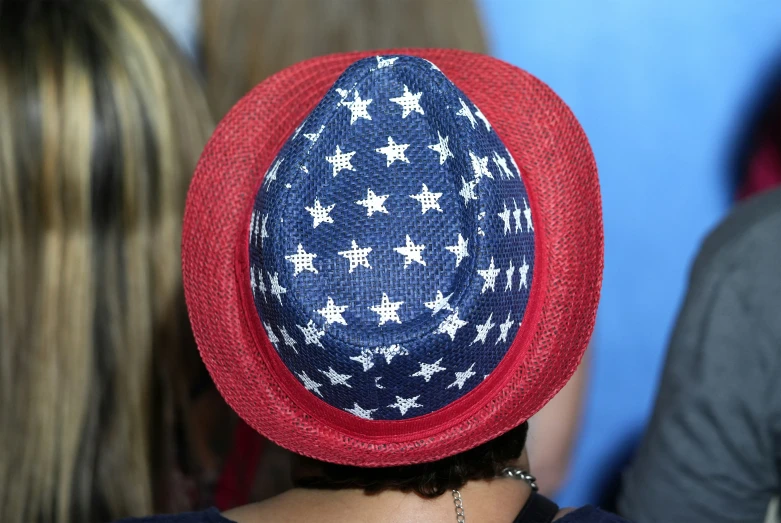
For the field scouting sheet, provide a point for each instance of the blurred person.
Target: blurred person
(412, 406)
(102, 123)
(758, 159)
(245, 41)
(712, 451)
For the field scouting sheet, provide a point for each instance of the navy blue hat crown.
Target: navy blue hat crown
(392, 244)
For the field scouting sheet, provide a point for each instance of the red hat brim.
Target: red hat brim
(558, 169)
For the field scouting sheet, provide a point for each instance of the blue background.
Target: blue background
(661, 88)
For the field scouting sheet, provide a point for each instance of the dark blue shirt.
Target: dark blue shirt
(583, 515)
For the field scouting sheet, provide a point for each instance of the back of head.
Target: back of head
(101, 126)
(245, 41)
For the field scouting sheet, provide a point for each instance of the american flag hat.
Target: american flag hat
(393, 257)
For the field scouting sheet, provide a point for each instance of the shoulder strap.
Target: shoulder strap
(538, 509)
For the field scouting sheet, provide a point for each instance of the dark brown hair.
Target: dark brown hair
(426, 479)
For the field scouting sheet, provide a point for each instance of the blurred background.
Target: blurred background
(666, 91)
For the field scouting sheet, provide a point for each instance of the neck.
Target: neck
(492, 500)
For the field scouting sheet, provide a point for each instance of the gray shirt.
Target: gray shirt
(712, 451)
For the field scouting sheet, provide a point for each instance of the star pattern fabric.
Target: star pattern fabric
(411, 252)
(302, 260)
(358, 108)
(388, 310)
(393, 151)
(442, 148)
(428, 200)
(320, 214)
(359, 257)
(373, 203)
(340, 161)
(391, 244)
(409, 102)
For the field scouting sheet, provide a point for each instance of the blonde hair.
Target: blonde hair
(101, 125)
(245, 41)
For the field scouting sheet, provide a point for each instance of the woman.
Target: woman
(243, 42)
(101, 125)
(402, 289)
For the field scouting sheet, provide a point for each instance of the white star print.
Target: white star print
(480, 166)
(442, 148)
(385, 62)
(270, 333)
(310, 384)
(512, 160)
(254, 224)
(404, 404)
(393, 151)
(451, 325)
(366, 358)
(439, 303)
(276, 289)
(357, 256)
(271, 174)
(429, 369)
(501, 163)
(409, 102)
(505, 216)
(482, 330)
(302, 260)
(480, 115)
(388, 310)
(460, 249)
(510, 272)
(374, 203)
(340, 161)
(298, 130)
(320, 214)
(252, 282)
(336, 378)
(428, 200)
(261, 284)
(466, 112)
(504, 329)
(311, 334)
(289, 341)
(390, 352)
(527, 213)
(411, 253)
(358, 108)
(467, 191)
(489, 276)
(343, 93)
(523, 270)
(304, 168)
(332, 312)
(517, 217)
(377, 382)
(313, 137)
(461, 377)
(263, 231)
(360, 412)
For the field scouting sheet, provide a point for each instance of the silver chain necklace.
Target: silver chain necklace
(507, 472)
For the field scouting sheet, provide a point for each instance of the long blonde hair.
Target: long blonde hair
(101, 123)
(245, 41)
